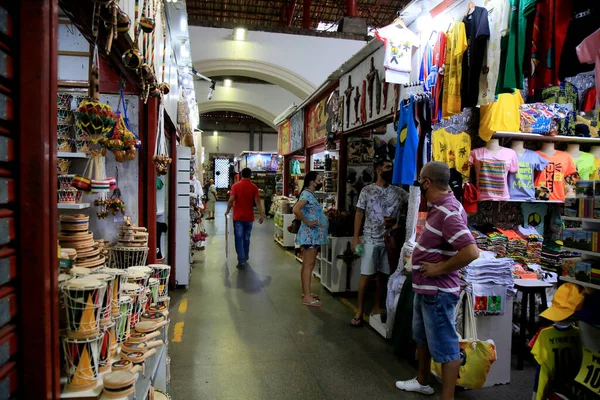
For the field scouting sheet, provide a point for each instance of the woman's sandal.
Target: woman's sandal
(313, 295)
(356, 322)
(314, 303)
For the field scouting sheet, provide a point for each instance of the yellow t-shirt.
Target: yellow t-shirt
(595, 176)
(456, 45)
(452, 149)
(559, 354)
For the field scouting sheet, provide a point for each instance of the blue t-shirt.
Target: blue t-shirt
(405, 162)
(521, 184)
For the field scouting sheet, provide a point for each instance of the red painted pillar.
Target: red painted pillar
(147, 175)
(351, 8)
(306, 14)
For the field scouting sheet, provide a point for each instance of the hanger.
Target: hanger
(430, 36)
(470, 8)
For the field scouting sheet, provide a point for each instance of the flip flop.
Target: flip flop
(356, 322)
(312, 294)
(314, 303)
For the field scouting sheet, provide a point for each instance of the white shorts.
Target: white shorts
(374, 259)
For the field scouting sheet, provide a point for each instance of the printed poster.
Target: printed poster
(317, 122)
(283, 136)
(297, 131)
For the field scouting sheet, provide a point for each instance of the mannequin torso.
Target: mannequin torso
(574, 151)
(518, 146)
(548, 149)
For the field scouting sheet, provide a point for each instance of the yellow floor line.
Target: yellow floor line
(351, 306)
(183, 306)
(178, 332)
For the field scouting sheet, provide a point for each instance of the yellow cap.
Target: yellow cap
(567, 299)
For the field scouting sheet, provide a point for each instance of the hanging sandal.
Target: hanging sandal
(356, 322)
(314, 303)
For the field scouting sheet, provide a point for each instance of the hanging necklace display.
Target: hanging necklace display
(161, 157)
(132, 58)
(122, 141)
(94, 118)
(147, 68)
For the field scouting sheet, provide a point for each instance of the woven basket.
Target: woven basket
(64, 131)
(64, 145)
(83, 146)
(62, 166)
(66, 181)
(63, 100)
(67, 196)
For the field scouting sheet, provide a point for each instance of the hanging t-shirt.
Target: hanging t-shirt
(492, 171)
(553, 177)
(477, 30)
(456, 45)
(498, 14)
(405, 166)
(452, 149)
(521, 184)
(534, 215)
(596, 174)
(426, 65)
(586, 165)
(512, 77)
(583, 23)
(439, 60)
(589, 375)
(588, 52)
(399, 42)
(558, 352)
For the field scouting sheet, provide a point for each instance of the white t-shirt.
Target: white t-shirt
(398, 47)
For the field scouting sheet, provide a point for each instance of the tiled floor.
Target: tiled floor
(244, 334)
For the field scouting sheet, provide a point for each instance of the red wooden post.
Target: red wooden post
(147, 174)
(37, 222)
(306, 14)
(352, 9)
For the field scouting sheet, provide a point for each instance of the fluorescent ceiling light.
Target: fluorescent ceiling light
(239, 34)
(227, 83)
(215, 133)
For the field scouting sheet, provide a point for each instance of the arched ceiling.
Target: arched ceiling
(268, 72)
(240, 107)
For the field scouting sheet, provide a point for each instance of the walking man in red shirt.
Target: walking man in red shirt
(445, 246)
(244, 195)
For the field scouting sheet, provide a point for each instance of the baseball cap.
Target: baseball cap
(590, 312)
(470, 198)
(567, 299)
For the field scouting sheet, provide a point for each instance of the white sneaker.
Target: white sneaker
(414, 386)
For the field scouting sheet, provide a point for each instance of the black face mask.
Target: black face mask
(318, 187)
(387, 176)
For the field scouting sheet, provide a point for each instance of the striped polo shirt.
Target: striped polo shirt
(445, 233)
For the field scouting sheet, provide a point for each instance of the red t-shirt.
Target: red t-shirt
(245, 193)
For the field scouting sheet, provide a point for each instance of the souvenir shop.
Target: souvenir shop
(504, 93)
(106, 176)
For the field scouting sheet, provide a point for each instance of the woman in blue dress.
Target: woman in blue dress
(312, 234)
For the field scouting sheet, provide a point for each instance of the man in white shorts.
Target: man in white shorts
(379, 204)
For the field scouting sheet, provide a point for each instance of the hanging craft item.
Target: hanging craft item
(161, 157)
(163, 87)
(122, 141)
(147, 25)
(132, 58)
(93, 117)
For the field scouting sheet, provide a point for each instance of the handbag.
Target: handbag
(294, 226)
(477, 355)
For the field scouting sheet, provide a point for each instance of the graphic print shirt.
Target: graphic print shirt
(492, 171)
(521, 184)
(398, 47)
(380, 202)
(560, 166)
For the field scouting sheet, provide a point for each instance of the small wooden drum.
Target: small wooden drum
(138, 277)
(120, 279)
(136, 292)
(106, 311)
(107, 332)
(83, 299)
(164, 301)
(162, 273)
(140, 268)
(82, 357)
(123, 320)
(152, 291)
(78, 272)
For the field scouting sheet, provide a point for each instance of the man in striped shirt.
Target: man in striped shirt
(445, 246)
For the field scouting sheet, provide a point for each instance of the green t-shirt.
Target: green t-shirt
(586, 165)
(515, 48)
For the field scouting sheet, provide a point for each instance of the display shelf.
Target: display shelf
(71, 154)
(526, 201)
(298, 259)
(593, 220)
(584, 284)
(582, 252)
(69, 206)
(277, 240)
(534, 136)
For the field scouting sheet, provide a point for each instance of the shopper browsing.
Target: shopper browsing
(244, 195)
(445, 246)
(379, 204)
(211, 200)
(312, 234)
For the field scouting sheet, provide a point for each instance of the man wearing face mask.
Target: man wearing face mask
(379, 204)
(444, 247)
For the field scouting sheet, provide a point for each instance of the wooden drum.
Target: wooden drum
(83, 299)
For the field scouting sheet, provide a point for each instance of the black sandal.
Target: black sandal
(356, 322)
